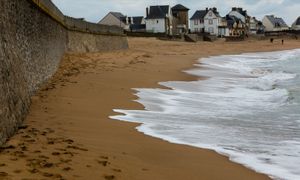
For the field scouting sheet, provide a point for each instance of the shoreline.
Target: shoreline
(80, 142)
(145, 131)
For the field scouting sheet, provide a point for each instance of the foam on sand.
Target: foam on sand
(247, 109)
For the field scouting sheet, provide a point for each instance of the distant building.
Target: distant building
(180, 19)
(296, 24)
(273, 23)
(211, 21)
(223, 27)
(242, 15)
(236, 26)
(136, 23)
(197, 21)
(159, 19)
(256, 26)
(113, 19)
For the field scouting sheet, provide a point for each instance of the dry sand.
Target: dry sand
(68, 135)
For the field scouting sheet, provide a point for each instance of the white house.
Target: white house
(159, 19)
(197, 21)
(273, 23)
(211, 21)
(296, 24)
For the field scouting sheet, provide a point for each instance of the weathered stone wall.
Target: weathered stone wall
(32, 45)
(34, 35)
(94, 42)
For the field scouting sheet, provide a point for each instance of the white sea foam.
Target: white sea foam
(248, 109)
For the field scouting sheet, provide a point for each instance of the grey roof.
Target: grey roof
(180, 7)
(158, 12)
(117, 15)
(231, 20)
(136, 20)
(199, 14)
(276, 21)
(240, 10)
(297, 22)
(215, 10)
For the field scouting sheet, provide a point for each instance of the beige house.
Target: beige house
(296, 24)
(273, 23)
(113, 19)
(135, 24)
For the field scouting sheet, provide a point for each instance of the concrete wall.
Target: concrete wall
(34, 35)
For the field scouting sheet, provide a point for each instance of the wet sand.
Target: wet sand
(68, 135)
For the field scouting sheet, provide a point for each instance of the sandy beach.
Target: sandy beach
(68, 135)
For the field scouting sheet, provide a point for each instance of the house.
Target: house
(136, 23)
(296, 24)
(256, 26)
(223, 27)
(197, 21)
(180, 19)
(211, 21)
(241, 14)
(236, 26)
(273, 23)
(113, 19)
(159, 19)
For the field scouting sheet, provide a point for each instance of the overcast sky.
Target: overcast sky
(95, 10)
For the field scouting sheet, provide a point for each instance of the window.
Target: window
(210, 21)
(196, 22)
(157, 21)
(211, 29)
(196, 29)
(210, 13)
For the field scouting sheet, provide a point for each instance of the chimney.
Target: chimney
(206, 9)
(127, 20)
(147, 12)
(234, 9)
(214, 9)
(132, 20)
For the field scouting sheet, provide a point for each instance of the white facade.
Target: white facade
(197, 25)
(156, 25)
(160, 25)
(112, 20)
(211, 23)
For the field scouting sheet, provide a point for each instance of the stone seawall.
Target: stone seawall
(34, 35)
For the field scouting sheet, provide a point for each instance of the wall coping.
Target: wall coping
(74, 24)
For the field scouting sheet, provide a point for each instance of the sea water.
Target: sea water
(247, 107)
